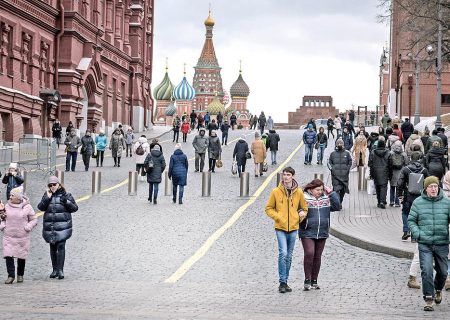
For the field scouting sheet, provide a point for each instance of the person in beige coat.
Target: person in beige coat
(259, 154)
(360, 148)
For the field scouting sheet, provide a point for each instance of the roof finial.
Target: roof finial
(167, 64)
(184, 66)
(240, 66)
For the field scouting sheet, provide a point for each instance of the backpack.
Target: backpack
(397, 161)
(140, 150)
(415, 182)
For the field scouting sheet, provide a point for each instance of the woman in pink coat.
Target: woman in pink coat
(18, 219)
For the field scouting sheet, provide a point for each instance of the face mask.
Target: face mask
(340, 147)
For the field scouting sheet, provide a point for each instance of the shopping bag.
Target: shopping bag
(234, 169)
(371, 187)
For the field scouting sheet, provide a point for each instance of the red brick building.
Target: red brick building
(87, 61)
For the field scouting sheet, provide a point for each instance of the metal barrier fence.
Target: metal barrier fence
(6, 157)
(38, 151)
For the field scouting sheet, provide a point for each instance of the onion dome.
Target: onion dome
(215, 106)
(171, 109)
(184, 91)
(163, 91)
(209, 22)
(240, 88)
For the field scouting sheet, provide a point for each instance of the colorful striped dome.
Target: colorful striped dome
(171, 109)
(239, 88)
(163, 91)
(215, 106)
(184, 91)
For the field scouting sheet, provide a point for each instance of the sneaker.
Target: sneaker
(382, 206)
(288, 289)
(397, 205)
(19, 279)
(428, 304)
(405, 236)
(391, 204)
(314, 285)
(307, 285)
(282, 287)
(10, 280)
(438, 297)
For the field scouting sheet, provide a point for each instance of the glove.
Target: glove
(64, 198)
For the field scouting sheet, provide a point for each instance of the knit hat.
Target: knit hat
(257, 134)
(13, 165)
(430, 180)
(53, 179)
(381, 144)
(156, 147)
(178, 146)
(17, 192)
(339, 142)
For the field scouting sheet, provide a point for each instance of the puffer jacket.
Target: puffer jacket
(429, 219)
(154, 175)
(178, 167)
(380, 166)
(371, 140)
(348, 140)
(413, 140)
(317, 222)
(240, 149)
(87, 145)
(430, 141)
(73, 142)
(340, 163)
(272, 140)
(309, 137)
(283, 208)
(58, 216)
(101, 142)
(214, 147)
(435, 162)
(129, 137)
(397, 151)
(391, 140)
(402, 183)
(140, 159)
(407, 130)
(200, 143)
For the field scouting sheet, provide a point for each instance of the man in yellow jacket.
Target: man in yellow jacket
(287, 207)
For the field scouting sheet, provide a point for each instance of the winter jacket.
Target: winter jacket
(272, 140)
(20, 220)
(330, 124)
(397, 150)
(309, 137)
(317, 222)
(337, 123)
(129, 137)
(224, 128)
(176, 124)
(407, 130)
(214, 148)
(391, 140)
(322, 139)
(385, 120)
(240, 149)
(12, 182)
(200, 143)
(212, 126)
(399, 134)
(87, 145)
(435, 162)
(402, 183)
(340, 163)
(185, 127)
(270, 123)
(348, 140)
(72, 143)
(58, 216)
(140, 159)
(233, 119)
(101, 142)
(56, 130)
(371, 140)
(380, 165)
(117, 144)
(258, 150)
(444, 140)
(429, 219)
(283, 207)
(178, 167)
(262, 120)
(360, 149)
(430, 141)
(154, 175)
(207, 117)
(413, 140)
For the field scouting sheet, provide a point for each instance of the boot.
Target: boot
(154, 200)
(54, 273)
(10, 280)
(115, 161)
(61, 258)
(19, 279)
(118, 161)
(447, 284)
(428, 304)
(412, 283)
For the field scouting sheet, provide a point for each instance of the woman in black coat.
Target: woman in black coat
(240, 150)
(58, 206)
(154, 165)
(435, 161)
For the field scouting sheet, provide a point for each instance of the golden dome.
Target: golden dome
(209, 21)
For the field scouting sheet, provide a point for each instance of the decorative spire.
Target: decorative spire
(209, 22)
(208, 56)
(184, 69)
(167, 64)
(240, 66)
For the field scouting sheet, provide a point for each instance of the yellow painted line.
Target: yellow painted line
(219, 232)
(124, 182)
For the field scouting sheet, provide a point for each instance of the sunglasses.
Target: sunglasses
(52, 185)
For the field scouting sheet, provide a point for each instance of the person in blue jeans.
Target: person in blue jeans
(287, 207)
(72, 142)
(429, 220)
(178, 167)
(309, 139)
(154, 165)
(322, 141)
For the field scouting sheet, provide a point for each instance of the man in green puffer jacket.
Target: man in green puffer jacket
(428, 220)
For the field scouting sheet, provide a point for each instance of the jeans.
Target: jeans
(129, 150)
(273, 155)
(241, 168)
(100, 157)
(199, 158)
(328, 133)
(428, 253)
(153, 188)
(309, 152)
(286, 244)
(71, 156)
(405, 214)
(381, 190)
(320, 153)
(180, 194)
(224, 138)
(312, 259)
(58, 255)
(393, 197)
(11, 268)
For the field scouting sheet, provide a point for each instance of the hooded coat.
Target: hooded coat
(140, 159)
(407, 129)
(380, 166)
(372, 139)
(258, 149)
(214, 147)
(360, 149)
(397, 150)
(20, 220)
(435, 162)
(414, 139)
(340, 163)
(117, 144)
(178, 167)
(154, 175)
(200, 143)
(402, 183)
(240, 149)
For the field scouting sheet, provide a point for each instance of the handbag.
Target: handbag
(265, 166)
(143, 173)
(248, 155)
(82, 150)
(316, 146)
(219, 163)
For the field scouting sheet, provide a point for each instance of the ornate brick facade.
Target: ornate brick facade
(96, 54)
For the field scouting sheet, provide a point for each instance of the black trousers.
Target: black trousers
(224, 138)
(58, 255)
(184, 137)
(176, 134)
(212, 164)
(11, 268)
(100, 157)
(86, 160)
(381, 190)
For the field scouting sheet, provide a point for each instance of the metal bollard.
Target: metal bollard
(60, 175)
(132, 183)
(24, 174)
(279, 178)
(206, 184)
(96, 182)
(167, 185)
(318, 176)
(362, 182)
(245, 184)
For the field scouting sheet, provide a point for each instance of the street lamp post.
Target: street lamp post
(410, 87)
(417, 113)
(439, 69)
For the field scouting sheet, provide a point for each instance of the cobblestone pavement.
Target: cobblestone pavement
(123, 249)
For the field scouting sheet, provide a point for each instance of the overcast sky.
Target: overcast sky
(288, 48)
